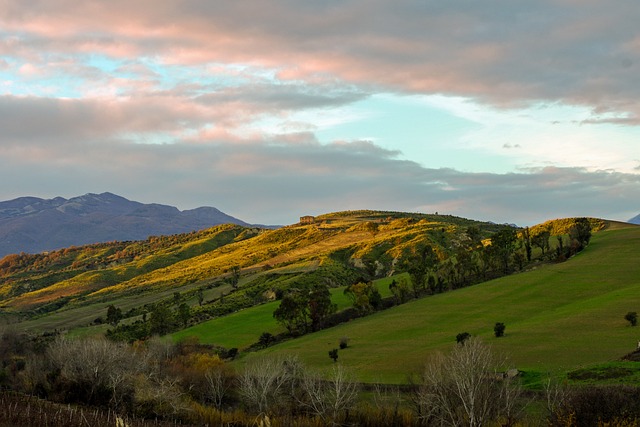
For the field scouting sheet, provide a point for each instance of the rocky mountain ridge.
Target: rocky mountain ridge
(32, 224)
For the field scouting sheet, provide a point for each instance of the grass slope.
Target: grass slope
(558, 317)
(243, 328)
(76, 285)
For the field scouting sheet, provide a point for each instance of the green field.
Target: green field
(559, 317)
(243, 328)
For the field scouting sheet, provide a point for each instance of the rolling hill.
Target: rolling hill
(559, 315)
(335, 249)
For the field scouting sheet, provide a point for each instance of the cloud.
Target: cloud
(167, 102)
(277, 180)
(504, 54)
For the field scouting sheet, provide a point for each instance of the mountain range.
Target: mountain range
(32, 224)
(635, 220)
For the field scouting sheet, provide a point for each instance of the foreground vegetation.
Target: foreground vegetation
(159, 383)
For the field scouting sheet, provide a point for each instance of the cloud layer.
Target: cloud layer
(200, 103)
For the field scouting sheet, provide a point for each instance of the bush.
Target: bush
(462, 337)
(631, 317)
(344, 343)
(598, 405)
(498, 329)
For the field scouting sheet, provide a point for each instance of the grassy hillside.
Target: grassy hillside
(72, 288)
(558, 317)
(242, 329)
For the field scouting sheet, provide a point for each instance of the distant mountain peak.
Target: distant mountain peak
(635, 220)
(32, 224)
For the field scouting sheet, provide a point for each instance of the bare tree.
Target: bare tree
(95, 366)
(328, 397)
(218, 386)
(464, 387)
(268, 382)
(557, 397)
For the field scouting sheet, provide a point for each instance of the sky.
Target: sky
(504, 111)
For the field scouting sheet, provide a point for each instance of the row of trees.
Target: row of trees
(471, 260)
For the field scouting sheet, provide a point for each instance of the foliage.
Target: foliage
(266, 338)
(632, 318)
(462, 337)
(364, 296)
(114, 315)
(400, 290)
(344, 343)
(302, 309)
(498, 329)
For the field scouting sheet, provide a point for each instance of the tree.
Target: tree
(344, 343)
(502, 245)
(462, 337)
(266, 382)
(474, 235)
(184, 313)
(419, 265)
(541, 240)
(95, 370)
(333, 354)
(498, 329)
(234, 276)
(364, 296)
(218, 385)
(560, 255)
(463, 388)
(293, 312)
(200, 296)
(580, 232)
(265, 339)
(632, 318)
(320, 305)
(161, 320)
(177, 298)
(114, 315)
(400, 290)
(328, 396)
(526, 236)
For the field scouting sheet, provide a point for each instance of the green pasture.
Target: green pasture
(559, 317)
(243, 328)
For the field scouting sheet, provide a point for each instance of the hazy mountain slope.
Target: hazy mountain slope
(32, 225)
(635, 220)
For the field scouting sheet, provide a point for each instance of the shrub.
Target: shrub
(631, 317)
(498, 329)
(462, 337)
(344, 343)
(334, 354)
